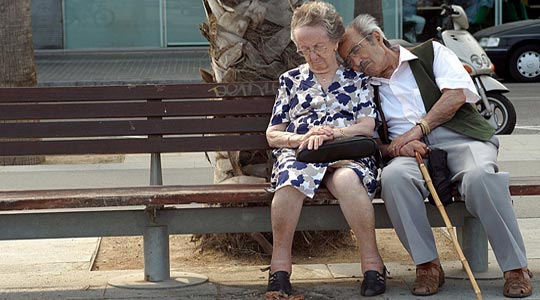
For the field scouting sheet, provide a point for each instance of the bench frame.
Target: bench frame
(157, 211)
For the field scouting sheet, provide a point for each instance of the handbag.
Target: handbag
(354, 147)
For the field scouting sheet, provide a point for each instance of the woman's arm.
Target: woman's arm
(364, 126)
(277, 137)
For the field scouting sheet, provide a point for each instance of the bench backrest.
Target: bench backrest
(135, 119)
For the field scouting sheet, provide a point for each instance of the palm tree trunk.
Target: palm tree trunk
(17, 65)
(249, 41)
(16, 49)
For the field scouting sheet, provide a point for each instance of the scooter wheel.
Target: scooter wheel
(504, 113)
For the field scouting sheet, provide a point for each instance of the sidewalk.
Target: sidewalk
(60, 268)
(121, 66)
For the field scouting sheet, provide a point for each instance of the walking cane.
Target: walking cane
(449, 226)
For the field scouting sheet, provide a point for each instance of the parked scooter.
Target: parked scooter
(494, 106)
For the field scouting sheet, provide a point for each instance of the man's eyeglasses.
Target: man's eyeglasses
(318, 49)
(354, 52)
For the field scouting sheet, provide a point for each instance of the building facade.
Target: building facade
(105, 24)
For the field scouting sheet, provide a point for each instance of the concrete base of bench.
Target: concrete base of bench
(156, 225)
(174, 279)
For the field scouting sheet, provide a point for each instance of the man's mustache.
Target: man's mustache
(363, 64)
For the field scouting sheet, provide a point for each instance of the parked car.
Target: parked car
(514, 49)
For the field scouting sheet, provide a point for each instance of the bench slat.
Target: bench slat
(154, 195)
(137, 92)
(525, 186)
(103, 128)
(99, 109)
(172, 195)
(136, 145)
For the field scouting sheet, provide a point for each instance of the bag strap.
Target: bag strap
(383, 129)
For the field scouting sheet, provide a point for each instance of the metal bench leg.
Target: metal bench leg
(475, 245)
(157, 272)
(156, 254)
(156, 175)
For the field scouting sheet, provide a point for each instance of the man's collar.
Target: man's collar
(405, 55)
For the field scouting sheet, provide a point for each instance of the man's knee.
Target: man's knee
(393, 174)
(478, 174)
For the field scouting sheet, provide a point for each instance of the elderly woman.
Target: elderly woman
(318, 102)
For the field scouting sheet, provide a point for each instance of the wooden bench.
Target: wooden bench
(157, 119)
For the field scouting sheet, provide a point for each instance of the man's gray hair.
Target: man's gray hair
(318, 13)
(366, 24)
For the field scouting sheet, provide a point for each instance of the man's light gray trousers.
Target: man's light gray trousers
(485, 191)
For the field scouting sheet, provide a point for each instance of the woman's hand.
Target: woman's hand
(314, 141)
(316, 136)
(320, 130)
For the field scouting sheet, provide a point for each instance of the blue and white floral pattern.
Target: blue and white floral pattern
(302, 104)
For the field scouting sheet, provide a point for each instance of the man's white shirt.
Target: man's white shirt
(400, 97)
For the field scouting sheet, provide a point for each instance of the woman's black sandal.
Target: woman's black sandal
(279, 287)
(279, 282)
(374, 283)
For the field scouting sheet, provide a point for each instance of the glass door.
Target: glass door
(182, 19)
(112, 23)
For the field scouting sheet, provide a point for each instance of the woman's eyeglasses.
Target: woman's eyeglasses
(354, 52)
(318, 49)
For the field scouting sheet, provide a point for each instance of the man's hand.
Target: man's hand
(414, 134)
(412, 147)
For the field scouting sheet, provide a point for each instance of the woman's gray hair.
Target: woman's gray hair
(318, 13)
(366, 24)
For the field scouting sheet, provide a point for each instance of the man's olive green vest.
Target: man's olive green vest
(467, 119)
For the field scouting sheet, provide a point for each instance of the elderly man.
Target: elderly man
(425, 97)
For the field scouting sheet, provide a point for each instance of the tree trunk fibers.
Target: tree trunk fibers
(249, 41)
(17, 65)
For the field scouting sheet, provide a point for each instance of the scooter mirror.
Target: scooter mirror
(459, 17)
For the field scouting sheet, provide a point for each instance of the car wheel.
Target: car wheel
(525, 64)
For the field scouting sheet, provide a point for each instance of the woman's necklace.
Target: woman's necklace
(325, 78)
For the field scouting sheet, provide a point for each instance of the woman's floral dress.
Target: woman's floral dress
(302, 103)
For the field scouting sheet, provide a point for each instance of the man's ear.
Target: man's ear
(377, 36)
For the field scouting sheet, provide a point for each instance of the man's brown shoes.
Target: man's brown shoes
(516, 284)
(429, 277)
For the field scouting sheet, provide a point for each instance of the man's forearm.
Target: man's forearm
(445, 108)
